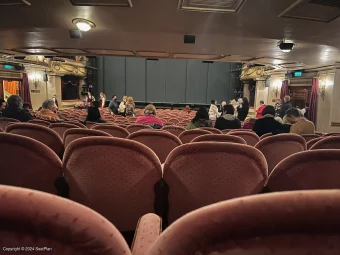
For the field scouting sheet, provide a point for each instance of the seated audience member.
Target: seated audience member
(130, 107)
(93, 115)
(228, 120)
(14, 109)
(267, 124)
(213, 111)
(2, 106)
(201, 120)
(187, 109)
(150, 118)
(259, 111)
(113, 106)
(48, 112)
(300, 125)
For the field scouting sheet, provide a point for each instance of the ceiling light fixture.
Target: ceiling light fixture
(286, 46)
(84, 24)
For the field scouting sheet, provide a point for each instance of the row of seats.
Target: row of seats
(103, 171)
(300, 222)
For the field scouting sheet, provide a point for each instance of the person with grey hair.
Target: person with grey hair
(48, 112)
(14, 109)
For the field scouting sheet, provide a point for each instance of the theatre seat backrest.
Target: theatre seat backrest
(76, 123)
(310, 143)
(318, 169)
(28, 163)
(55, 225)
(136, 127)
(329, 142)
(212, 130)
(74, 134)
(113, 176)
(189, 135)
(278, 147)
(303, 222)
(175, 130)
(161, 142)
(40, 133)
(250, 137)
(60, 128)
(219, 138)
(310, 137)
(40, 122)
(200, 174)
(4, 122)
(113, 130)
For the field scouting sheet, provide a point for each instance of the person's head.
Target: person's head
(187, 107)
(93, 114)
(261, 102)
(26, 106)
(114, 97)
(49, 104)
(150, 109)
(89, 94)
(102, 94)
(307, 105)
(14, 101)
(233, 102)
(214, 101)
(245, 101)
(201, 114)
(223, 103)
(269, 109)
(293, 115)
(2, 104)
(228, 109)
(130, 100)
(287, 98)
(124, 99)
(240, 100)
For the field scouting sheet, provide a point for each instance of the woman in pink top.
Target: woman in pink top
(149, 117)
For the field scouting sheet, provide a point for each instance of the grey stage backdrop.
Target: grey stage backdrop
(166, 80)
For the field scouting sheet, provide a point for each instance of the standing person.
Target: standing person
(243, 109)
(278, 106)
(89, 99)
(213, 111)
(113, 106)
(222, 105)
(300, 125)
(55, 100)
(201, 120)
(228, 120)
(102, 100)
(14, 109)
(130, 107)
(93, 115)
(259, 111)
(2, 106)
(285, 107)
(305, 110)
(122, 106)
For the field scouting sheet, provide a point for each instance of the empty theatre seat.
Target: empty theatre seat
(60, 128)
(189, 135)
(279, 147)
(319, 169)
(219, 138)
(329, 142)
(5, 121)
(250, 137)
(265, 136)
(40, 122)
(331, 134)
(302, 222)
(310, 137)
(113, 176)
(113, 130)
(200, 174)
(28, 163)
(76, 123)
(74, 134)
(212, 130)
(39, 133)
(175, 130)
(33, 219)
(162, 143)
(310, 143)
(90, 124)
(136, 127)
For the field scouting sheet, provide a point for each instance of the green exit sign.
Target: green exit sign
(297, 74)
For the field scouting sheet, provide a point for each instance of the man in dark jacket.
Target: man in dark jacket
(14, 109)
(285, 107)
(113, 106)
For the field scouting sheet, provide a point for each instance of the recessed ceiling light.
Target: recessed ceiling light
(84, 24)
(286, 46)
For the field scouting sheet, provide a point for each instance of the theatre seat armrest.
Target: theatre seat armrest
(148, 229)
